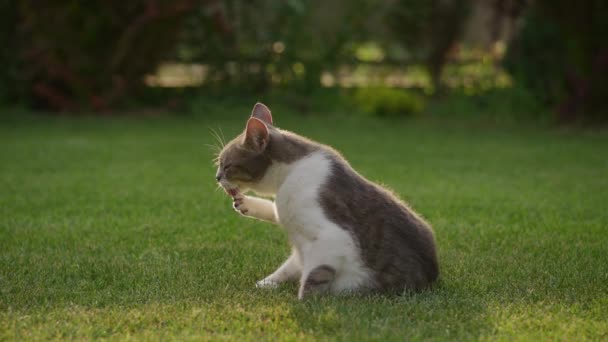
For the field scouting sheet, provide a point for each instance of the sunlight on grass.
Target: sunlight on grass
(527, 321)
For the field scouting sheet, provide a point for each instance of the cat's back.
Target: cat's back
(393, 240)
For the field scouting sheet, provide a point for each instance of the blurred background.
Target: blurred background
(503, 60)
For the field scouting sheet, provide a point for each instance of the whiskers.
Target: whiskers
(220, 143)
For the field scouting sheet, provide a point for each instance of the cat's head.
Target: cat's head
(243, 162)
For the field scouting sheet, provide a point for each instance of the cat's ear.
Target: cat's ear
(256, 134)
(260, 111)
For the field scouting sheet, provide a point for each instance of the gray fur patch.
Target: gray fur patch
(395, 243)
(287, 147)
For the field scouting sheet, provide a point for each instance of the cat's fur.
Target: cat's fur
(347, 233)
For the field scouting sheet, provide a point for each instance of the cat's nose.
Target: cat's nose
(218, 176)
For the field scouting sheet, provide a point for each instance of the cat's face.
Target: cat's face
(240, 166)
(243, 161)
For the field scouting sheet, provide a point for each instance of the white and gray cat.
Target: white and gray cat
(347, 233)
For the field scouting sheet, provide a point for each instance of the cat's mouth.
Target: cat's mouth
(232, 192)
(229, 188)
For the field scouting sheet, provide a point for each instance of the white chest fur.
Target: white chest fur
(316, 239)
(297, 202)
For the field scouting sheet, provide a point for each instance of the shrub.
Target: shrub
(389, 102)
(71, 55)
(561, 55)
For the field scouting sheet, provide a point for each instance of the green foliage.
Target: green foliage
(428, 30)
(269, 42)
(70, 55)
(561, 56)
(506, 106)
(409, 23)
(74, 55)
(11, 86)
(476, 77)
(112, 228)
(536, 60)
(389, 102)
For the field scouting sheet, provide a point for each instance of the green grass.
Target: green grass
(112, 228)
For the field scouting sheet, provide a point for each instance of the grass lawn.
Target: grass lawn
(112, 228)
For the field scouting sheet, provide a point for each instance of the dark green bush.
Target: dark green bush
(69, 55)
(508, 105)
(561, 56)
(389, 102)
(536, 59)
(10, 85)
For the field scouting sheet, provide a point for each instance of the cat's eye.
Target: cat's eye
(227, 166)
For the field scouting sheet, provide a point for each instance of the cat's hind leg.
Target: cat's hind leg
(291, 269)
(317, 281)
(332, 264)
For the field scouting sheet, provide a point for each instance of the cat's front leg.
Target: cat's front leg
(259, 208)
(291, 270)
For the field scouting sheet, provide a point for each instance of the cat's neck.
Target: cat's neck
(273, 179)
(285, 150)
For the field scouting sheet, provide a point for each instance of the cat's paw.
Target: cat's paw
(266, 284)
(238, 203)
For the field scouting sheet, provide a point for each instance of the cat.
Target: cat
(347, 233)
